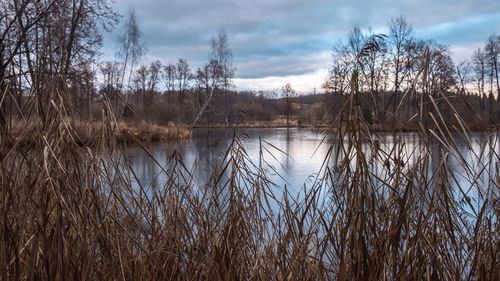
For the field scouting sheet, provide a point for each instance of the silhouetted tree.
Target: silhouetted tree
(400, 34)
(182, 76)
(131, 49)
(492, 51)
(463, 70)
(221, 53)
(169, 77)
(216, 74)
(288, 93)
(479, 66)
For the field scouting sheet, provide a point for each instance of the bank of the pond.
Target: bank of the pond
(28, 133)
(376, 127)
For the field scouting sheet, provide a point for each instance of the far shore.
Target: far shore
(91, 133)
(375, 127)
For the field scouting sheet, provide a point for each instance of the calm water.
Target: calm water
(295, 156)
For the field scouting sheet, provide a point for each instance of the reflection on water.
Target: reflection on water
(296, 156)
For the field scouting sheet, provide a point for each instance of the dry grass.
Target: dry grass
(85, 132)
(279, 122)
(374, 212)
(70, 213)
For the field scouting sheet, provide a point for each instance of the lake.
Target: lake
(294, 157)
(295, 154)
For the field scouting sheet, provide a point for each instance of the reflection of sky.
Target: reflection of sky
(293, 157)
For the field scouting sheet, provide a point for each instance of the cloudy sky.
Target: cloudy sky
(280, 41)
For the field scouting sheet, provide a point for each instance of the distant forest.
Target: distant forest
(50, 50)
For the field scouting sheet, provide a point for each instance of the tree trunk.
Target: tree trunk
(496, 74)
(203, 107)
(4, 116)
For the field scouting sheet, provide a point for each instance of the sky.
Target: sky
(275, 42)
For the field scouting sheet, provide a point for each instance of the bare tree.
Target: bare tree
(140, 81)
(154, 75)
(169, 77)
(131, 49)
(216, 74)
(441, 71)
(182, 76)
(46, 45)
(345, 61)
(415, 50)
(153, 81)
(209, 78)
(288, 93)
(336, 81)
(222, 53)
(492, 51)
(80, 33)
(73, 38)
(110, 90)
(463, 70)
(400, 36)
(479, 67)
(400, 33)
(84, 87)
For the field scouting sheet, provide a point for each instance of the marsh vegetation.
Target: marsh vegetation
(72, 206)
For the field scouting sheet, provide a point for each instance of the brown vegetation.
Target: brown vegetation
(26, 132)
(73, 213)
(373, 211)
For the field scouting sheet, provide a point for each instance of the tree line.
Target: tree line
(399, 76)
(49, 51)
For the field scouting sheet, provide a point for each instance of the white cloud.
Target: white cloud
(303, 84)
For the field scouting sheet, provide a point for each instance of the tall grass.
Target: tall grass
(28, 130)
(376, 211)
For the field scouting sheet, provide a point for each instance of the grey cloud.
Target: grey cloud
(286, 37)
(281, 65)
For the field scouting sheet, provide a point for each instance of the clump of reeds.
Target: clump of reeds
(85, 132)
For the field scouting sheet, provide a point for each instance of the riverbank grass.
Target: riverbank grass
(26, 132)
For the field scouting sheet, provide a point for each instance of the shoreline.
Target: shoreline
(93, 133)
(375, 128)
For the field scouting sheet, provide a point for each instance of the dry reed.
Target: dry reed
(376, 211)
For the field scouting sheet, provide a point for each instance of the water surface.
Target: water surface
(296, 156)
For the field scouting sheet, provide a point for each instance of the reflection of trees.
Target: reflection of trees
(287, 149)
(204, 152)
